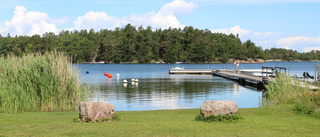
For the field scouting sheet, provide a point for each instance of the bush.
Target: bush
(36, 82)
(116, 117)
(307, 103)
(287, 91)
(223, 118)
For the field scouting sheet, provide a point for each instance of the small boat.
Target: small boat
(125, 81)
(101, 62)
(177, 67)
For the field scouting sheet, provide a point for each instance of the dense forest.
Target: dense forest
(143, 45)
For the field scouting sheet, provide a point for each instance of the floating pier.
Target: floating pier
(243, 77)
(247, 76)
(305, 84)
(191, 71)
(252, 77)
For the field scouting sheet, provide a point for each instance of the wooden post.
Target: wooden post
(315, 74)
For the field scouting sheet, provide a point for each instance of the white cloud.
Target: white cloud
(26, 22)
(97, 21)
(42, 27)
(234, 30)
(156, 20)
(177, 8)
(308, 49)
(274, 40)
(305, 44)
(298, 39)
(166, 17)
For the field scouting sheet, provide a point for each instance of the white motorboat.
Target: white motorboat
(177, 67)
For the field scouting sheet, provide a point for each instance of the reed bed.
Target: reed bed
(35, 82)
(287, 91)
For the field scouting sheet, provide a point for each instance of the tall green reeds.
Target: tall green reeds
(36, 82)
(287, 91)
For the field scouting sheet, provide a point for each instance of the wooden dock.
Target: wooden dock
(242, 78)
(191, 71)
(252, 77)
(237, 75)
(305, 84)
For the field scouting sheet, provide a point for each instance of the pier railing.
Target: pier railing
(267, 72)
(280, 69)
(272, 72)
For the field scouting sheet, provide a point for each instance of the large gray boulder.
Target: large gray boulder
(95, 110)
(219, 107)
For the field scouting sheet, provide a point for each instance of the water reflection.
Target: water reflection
(159, 90)
(173, 93)
(236, 90)
(125, 85)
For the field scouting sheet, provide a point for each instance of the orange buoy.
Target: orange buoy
(109, 76)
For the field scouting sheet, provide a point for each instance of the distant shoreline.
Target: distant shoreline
(229, 61)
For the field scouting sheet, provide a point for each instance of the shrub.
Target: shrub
(36, 82)
(223, 118)
(116, 117)
(287, 91)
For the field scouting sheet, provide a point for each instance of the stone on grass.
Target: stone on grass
(219, 107)
(95, 110)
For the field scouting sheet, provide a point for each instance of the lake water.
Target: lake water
(157, 89)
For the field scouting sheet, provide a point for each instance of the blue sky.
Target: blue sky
(291, 24)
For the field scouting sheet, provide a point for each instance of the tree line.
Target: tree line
(143, 45)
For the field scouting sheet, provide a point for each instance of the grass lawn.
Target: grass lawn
(257, 122)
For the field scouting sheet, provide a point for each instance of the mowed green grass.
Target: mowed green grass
(257, 122)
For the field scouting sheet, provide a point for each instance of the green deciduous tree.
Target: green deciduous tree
(143, 45)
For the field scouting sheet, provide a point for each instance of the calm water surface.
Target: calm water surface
(159, 90)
